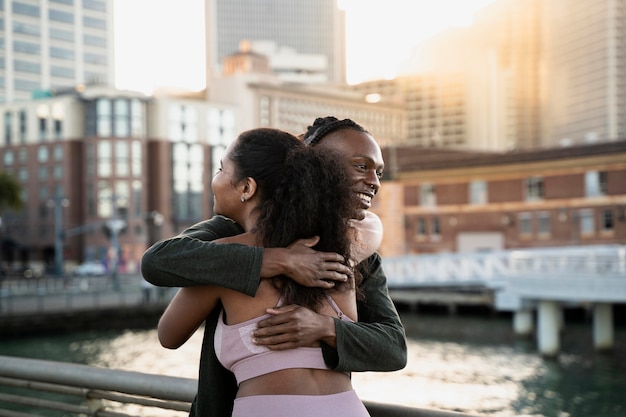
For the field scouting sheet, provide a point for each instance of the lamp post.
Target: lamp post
(58, 203)
(115, 225)
(1, 250)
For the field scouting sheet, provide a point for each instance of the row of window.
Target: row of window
(595, 186)
(49, 124)
(585, 222)
(33, 48)
(63, 16)
(44, 154)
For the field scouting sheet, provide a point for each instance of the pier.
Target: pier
(535, 285)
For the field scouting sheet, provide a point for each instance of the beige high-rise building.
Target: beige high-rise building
(54, 45)
(584, 66)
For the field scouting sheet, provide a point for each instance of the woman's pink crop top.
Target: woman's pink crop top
(237, 352)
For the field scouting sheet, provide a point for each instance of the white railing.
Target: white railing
(581, 273)
(491, 268)
(33, 385)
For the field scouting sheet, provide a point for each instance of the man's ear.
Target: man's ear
(249, 188)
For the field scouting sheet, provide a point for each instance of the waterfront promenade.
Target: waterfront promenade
(78, 303)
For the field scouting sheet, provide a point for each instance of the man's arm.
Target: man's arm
(377, 342)
(191, 258)
(194, 258)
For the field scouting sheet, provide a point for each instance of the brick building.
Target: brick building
(450, 201)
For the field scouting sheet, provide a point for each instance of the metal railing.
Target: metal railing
(29, 387)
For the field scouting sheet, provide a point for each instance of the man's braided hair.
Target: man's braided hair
(322, 126)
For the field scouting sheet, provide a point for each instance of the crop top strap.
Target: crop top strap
(335, 307)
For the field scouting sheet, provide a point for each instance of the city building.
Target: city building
(49, 45)
(584, 68)
(106, 172)
(305, 26)
(451, 201)
(452, 110)
(264, 100)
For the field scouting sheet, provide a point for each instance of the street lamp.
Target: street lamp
(58, 203)
(115, 225)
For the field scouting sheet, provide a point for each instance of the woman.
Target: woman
(278, 190)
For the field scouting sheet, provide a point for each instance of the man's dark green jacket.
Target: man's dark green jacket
(376, 343)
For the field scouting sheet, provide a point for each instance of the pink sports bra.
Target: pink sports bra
(237, 352)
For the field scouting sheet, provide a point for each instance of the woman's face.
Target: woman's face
(365, 158)
(226, 196)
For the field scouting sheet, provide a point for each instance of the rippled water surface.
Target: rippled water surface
(468, 364)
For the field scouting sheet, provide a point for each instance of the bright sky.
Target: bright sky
(161, 42)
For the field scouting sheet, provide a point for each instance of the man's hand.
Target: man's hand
(293, 326)
(305, 265)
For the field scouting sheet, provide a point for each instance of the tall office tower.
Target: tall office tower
(54, 44)
(585, 71)
(507, 42)
(307, 26)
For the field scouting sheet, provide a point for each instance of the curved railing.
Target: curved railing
(32, 385)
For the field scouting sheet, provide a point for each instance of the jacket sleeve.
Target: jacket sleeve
(377, 342)
(191, 258)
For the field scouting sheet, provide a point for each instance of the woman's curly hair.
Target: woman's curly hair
(305, 191)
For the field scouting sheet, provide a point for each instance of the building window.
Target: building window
(122, 198)
(8, 158)
(105, 200)
(121, 159)
(421, 227)
(43, 173)
(136, 118)
(137, 196)
(427, 195)
(586, 222)
(104, 118)
(183, 124)
(525, 224)
(58, 172)
(608, 220)
(478, 192)
(534, 188)
(188, 167)
(543, 224)
(136, 158)
(104, 158)
(435, 227)
(595, 183)
(23, 124)
(42, 121)
(122, 118)
(8, 127)
(42, 154)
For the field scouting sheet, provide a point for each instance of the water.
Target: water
(467, 364)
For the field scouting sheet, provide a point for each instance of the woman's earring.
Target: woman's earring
(243, 199)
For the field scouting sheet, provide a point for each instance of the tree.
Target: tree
(10, 192)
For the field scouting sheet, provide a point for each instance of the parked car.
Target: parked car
(90, 269)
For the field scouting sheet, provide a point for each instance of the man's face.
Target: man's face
(365, 159)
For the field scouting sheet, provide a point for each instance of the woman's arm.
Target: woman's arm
(192, 258)
(185, 313)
